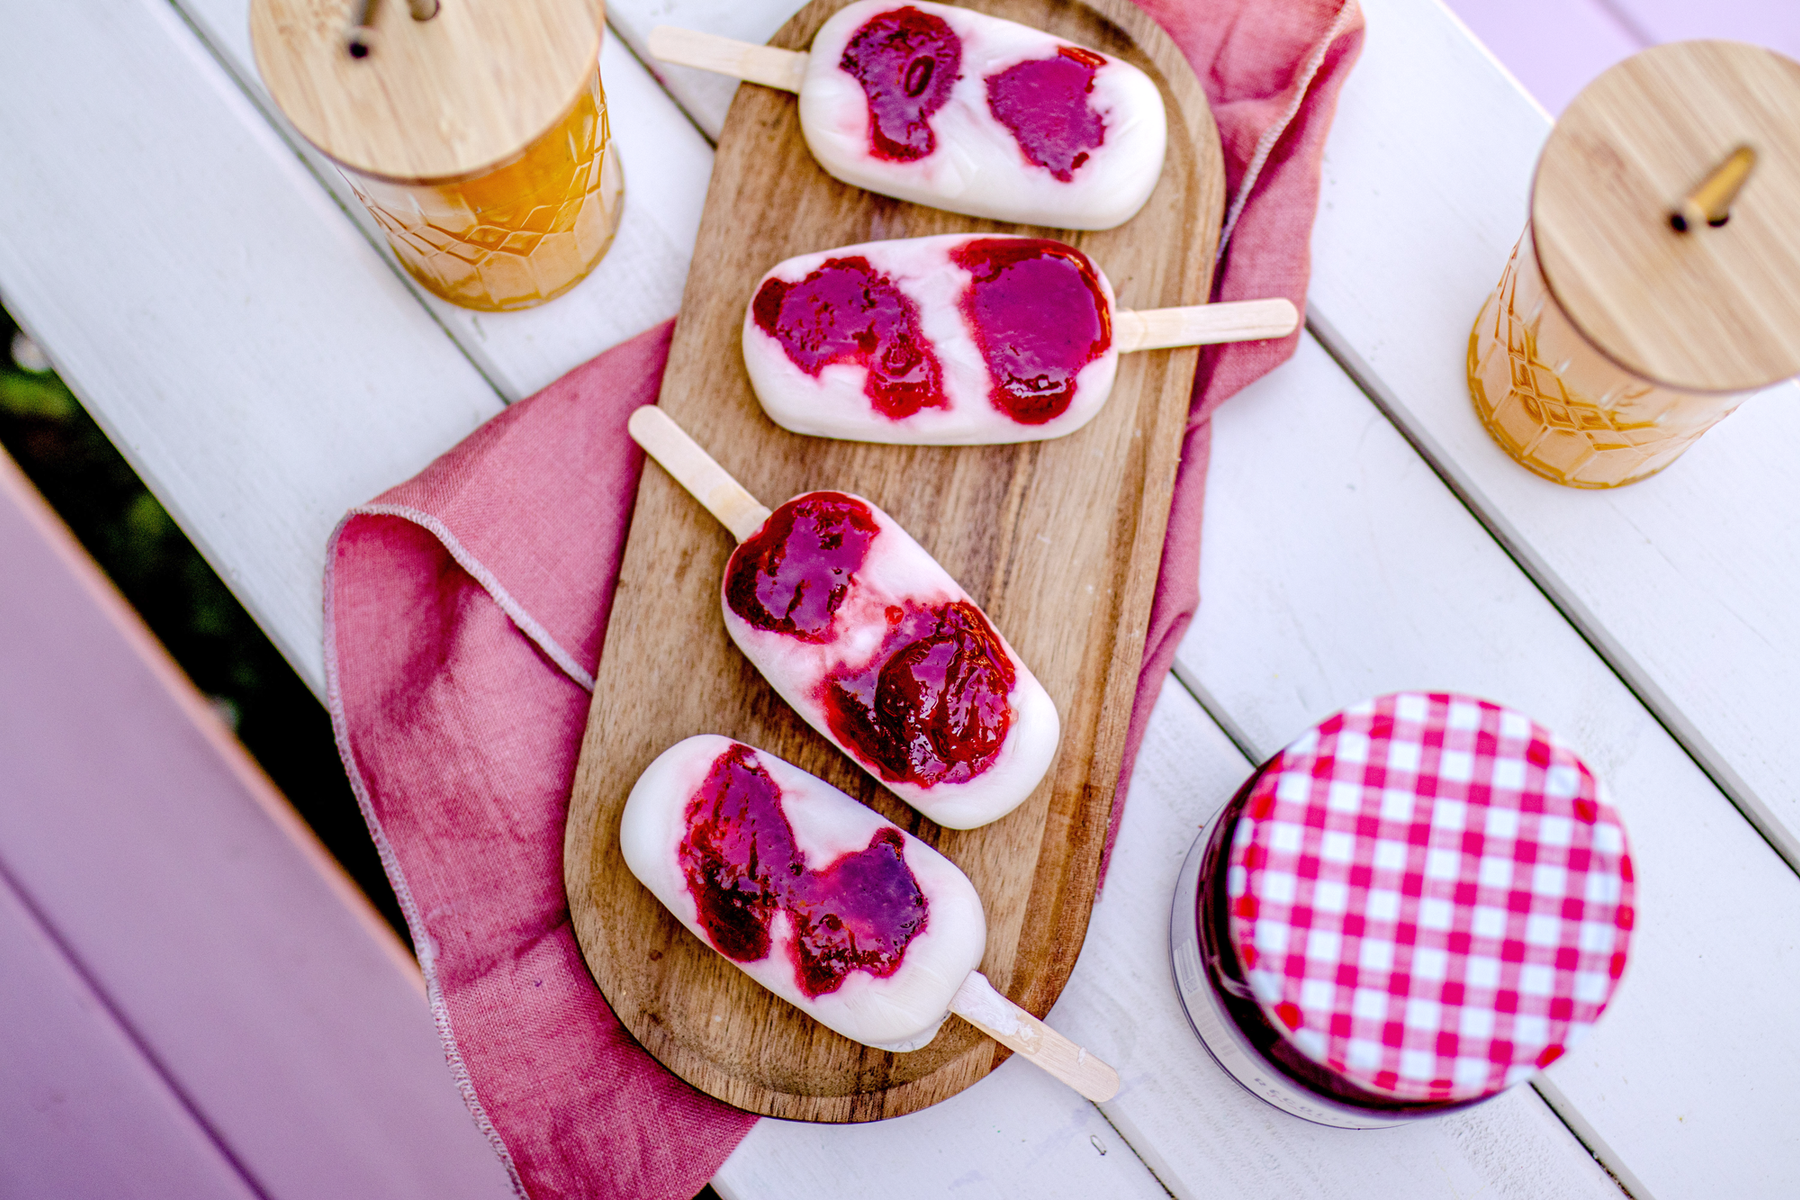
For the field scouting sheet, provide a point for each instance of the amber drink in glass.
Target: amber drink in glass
(516, 235)
(1657, 283)
(474, 131)
(1561, 407)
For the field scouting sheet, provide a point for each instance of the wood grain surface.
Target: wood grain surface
(434, 99)
(1059, 541)
(1708, 310)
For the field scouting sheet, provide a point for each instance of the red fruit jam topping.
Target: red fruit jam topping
(907, 61)
(931, 705)
(1044, 102)
(791, 575)
(847, 311)
(1039, 316)
(743, 866)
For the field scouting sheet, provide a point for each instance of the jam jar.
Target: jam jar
(1418, 904)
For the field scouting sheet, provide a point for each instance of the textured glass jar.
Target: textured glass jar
(1559, 405)
(1657, 283)
(474, 131)
(519, 234)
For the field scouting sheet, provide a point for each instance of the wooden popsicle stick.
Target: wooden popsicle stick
(978, 1003)
(696, 470)
(1204, 324)
(766, 65)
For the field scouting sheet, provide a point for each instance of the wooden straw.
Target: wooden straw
(1711, 200)
(696, 470)
(360, 41)
(766, 65)
(1204, 324)
(980, 1005)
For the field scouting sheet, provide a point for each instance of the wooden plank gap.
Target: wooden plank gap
(1209, 704)
(1126, 1142)
(649, 66)
(129, 1031)
(1589, 628)
(312, 160)
(1610, 1160)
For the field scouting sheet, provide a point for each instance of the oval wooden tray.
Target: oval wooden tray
(1059, 541)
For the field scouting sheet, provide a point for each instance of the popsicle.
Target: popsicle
(844, 915)
(961, 111)
(871, 642)
(959, 339)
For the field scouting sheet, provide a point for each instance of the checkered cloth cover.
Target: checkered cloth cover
(1431, 896)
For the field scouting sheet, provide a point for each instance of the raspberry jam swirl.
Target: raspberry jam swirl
(849, 312)
(743, 866)
(1044, 103)
(907, 61)
(931, 706)
(1039, 316)
(791, 575)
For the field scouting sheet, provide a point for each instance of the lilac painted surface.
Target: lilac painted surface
(1555, 47)
(1772, 23)
(84, 1115)
(183, 887)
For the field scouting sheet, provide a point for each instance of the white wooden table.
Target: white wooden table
(221, 305)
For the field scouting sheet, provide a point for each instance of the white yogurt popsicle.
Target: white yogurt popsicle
(819, 899)
(951, 340)
(841, 913)
(872, 643)
(961, 111)
(959, 339)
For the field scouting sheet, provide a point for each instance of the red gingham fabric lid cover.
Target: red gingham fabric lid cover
(1430, 896)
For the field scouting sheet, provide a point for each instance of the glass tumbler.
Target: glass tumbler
(1559, 405)
(517, 234)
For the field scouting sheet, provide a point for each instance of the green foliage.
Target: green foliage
(40, 396)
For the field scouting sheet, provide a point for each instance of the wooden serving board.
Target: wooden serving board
(1058, 541)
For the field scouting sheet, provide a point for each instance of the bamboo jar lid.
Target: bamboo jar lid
(1713, 309)
(435, 99)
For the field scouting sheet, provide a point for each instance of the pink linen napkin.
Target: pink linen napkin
(465, 611)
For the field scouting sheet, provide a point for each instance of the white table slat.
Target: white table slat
(1337, 568)
(704, 95)
(256, 361)
(1201, 1133)
(1016, 1133)
(87, 1116)
(1685, 581)
(638, 283)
